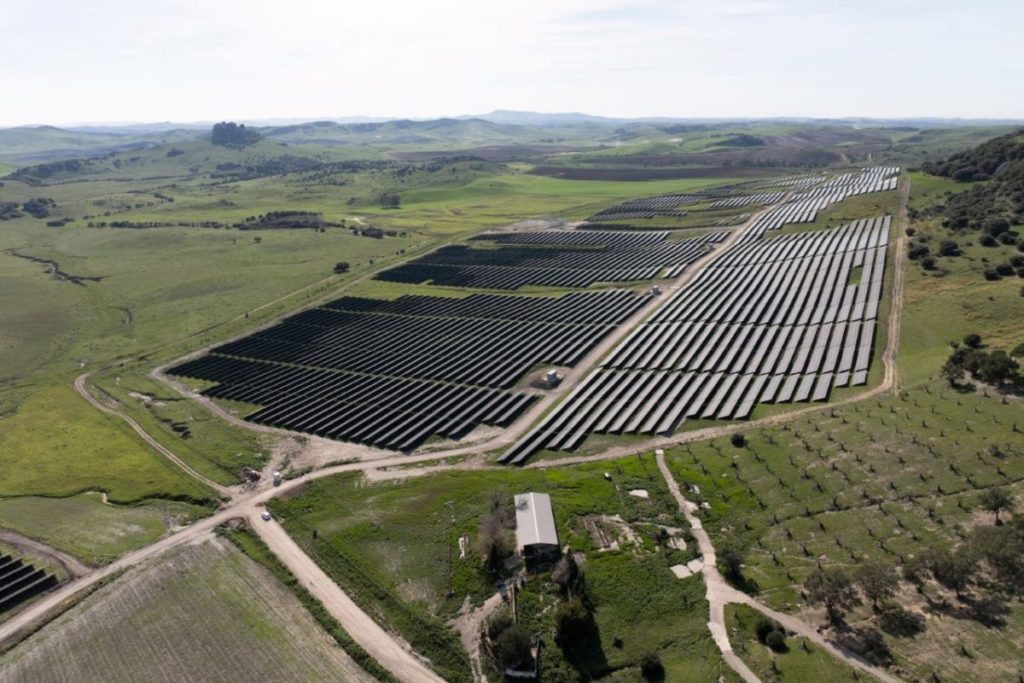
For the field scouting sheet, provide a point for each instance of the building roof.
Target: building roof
(535, 523)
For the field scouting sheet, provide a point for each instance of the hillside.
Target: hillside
(29, 144)
(995, 202)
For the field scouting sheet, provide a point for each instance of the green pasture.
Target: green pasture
(95, 531)
(352, 528)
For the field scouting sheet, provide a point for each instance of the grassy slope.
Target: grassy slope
(92, 530)
(359, 526)
(203, 608)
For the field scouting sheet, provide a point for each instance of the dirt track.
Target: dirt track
(26, 545)
(719, 594)
(380, 644)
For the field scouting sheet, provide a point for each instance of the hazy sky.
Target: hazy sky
(67, 61)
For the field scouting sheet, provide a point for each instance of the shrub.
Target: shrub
(651, 667)
(776, 640)
(512, 648)
(738, 440)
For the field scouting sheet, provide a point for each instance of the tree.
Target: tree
(878, 581)
(952, 570)
(568, 577)
(738, 440)
(732, 563)
(832, 588)
(997, 367)
(573, 622)
(231, 134)
(512, 648)
(996, 500)
(494, 540)
(389, 200)
(341, 267)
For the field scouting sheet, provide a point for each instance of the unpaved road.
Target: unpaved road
(380, 644)
(71, 565)
(719, 594)
(83, 391)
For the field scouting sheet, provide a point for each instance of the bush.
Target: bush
(572, 622)
(512, 648)
(651, 667)
(738, 440)
(776, 640)
(973, 341)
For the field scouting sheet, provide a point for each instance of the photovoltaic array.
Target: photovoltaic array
(803, 206)
(774, 320)
(555, 258)
(393, 374)
(20, 581)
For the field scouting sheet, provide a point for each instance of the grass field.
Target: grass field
(56, 444)
(94, 531)
(357, 527)
(202, 612)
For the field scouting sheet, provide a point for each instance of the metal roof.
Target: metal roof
(535, 523)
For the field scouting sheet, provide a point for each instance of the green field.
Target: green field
(352, 529)
(91, 529)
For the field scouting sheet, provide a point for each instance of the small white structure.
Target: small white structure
(655, 290)
(552, 378)
(536, 536)
(277, 478)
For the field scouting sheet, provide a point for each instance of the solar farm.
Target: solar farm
(774, 317)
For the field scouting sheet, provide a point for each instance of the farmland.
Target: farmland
(204, 607)
(356, 525)
(415, 307)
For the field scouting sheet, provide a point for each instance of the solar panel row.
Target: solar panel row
(770, 321)
(555, 259)
(394, 373)
(20, 581)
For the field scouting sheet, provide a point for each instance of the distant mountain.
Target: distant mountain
(533, 118)
(444, 131)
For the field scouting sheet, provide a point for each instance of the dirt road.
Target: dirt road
(380, 644)
(719, 594)
(83, 391)
(23, 544)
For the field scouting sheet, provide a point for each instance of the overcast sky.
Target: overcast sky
(64, 61)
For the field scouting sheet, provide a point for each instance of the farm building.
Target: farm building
(536, 537)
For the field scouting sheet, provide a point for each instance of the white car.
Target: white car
(266, 516)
